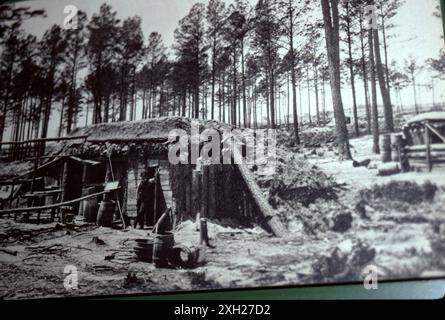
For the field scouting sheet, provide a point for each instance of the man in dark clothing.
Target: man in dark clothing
(145, 200)
(147, 203)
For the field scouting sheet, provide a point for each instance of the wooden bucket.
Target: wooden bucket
(162, 245)
(144, 250)
(88, 208)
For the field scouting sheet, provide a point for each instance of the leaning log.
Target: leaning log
(266, 210)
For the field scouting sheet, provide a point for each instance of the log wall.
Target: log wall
(216, 192)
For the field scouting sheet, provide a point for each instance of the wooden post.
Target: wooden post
(198, 221)
(187, 194)
(195, 191)
(53, 213)
(155, 203)
(36, 165)
(398, 148)
(219, 191)
(83, 183)
(11, 197)
(204, 191)
(228, 205)
(84, 174)
(211, 192)
(65, 175)
(386, 148)
(203, 232)
(428, 147)
(173, 186)
(122, 208)
(179, 189)
(64, 185)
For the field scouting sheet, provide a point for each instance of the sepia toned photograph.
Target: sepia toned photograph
(160, 146)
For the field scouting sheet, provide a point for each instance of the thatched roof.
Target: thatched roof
(153, 130)
(428, 116)
(129, 137)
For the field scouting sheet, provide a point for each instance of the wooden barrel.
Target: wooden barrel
(88, 208)
(105, 213)
(162, 246)
(386, 148)
(396, 147)
(144, 250)
(184, 257)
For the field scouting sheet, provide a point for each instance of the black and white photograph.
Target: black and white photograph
(168, 146)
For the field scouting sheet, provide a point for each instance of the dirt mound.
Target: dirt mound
(294, 181)
(403, 203)
(340, 265)
(304, 197)
(401, 191)
(310, 138)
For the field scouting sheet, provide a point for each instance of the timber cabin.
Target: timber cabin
(77, 173)
(425, 140)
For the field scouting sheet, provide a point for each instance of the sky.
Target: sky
(157, 15)
(414, 20)
(417, 32)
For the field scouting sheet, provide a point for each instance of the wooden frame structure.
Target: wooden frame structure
(425, 135)
(214, 191)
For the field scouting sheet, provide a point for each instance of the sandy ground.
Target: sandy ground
(402, 239)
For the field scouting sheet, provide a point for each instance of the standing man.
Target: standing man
(144, 202)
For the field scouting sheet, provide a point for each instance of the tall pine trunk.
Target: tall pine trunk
(387, 107)
(213, 77)
(243, 80)
(385, 50)
(233, 113)
(61, 116)
(293, 75)
(351, 71)
(317, 102)
(272, 99)
(375, 115)
(309, 95)
(365, 76)
(332, 30)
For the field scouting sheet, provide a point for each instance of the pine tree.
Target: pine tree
(348, 17)
(75, 61)
(191, 50)
(215, 16)
(265, 41)
(53, 47)
(101, 50)
(129, 51)
(332, 30)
